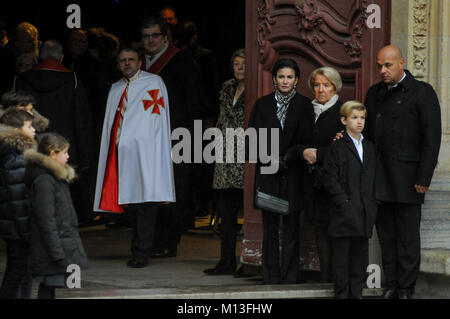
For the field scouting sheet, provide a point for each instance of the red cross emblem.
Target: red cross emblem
(154, 102)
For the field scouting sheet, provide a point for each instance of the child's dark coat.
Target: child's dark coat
(351, 184)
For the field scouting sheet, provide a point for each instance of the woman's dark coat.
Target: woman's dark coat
(55, 241)
(287, 182)
(317, 201)
(14, 204)
(351, 185)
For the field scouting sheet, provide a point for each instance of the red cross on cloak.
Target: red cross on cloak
(154, 102)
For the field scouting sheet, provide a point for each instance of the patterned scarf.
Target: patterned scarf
(283, 101)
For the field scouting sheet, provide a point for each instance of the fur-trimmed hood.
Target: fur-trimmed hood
(40, 122)
(65, 173)
(13, 138)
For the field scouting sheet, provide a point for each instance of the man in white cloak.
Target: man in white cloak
(135, 172)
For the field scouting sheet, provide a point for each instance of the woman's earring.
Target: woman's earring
(295, 86)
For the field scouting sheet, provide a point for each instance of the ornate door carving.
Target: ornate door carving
(314, 33)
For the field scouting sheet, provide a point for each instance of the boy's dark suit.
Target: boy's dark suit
(351, 185)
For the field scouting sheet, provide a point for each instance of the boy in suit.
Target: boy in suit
(349, 178)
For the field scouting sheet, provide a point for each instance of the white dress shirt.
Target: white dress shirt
(358, 145)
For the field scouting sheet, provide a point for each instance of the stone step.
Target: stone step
(437, 196)
(299, 291)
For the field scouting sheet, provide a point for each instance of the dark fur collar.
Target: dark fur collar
(14, 138)
(66, 172)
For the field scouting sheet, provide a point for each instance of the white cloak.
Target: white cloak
(145, 170)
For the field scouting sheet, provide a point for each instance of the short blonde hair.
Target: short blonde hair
(330, 73)
(349, 106)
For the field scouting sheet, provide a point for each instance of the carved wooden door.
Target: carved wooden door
(344, 34)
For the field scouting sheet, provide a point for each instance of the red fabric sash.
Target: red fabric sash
(51, 65)
(162, 60)
(110, 192)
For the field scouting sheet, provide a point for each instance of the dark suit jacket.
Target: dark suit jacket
(405, 125)
(286, 183)
(351, 185)
(317, 201)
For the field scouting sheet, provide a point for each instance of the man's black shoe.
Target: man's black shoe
(390, 294)
(137, 263)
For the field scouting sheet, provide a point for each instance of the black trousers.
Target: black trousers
(17, 281)
(142, 219)
(285, 272)
(171, 217)
(349, 265)
(229, 201)
(398, 228)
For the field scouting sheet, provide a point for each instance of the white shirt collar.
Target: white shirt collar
(358, 145)
(133, 78)
(395, 85)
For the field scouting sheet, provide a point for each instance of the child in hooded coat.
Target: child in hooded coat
(55, 241)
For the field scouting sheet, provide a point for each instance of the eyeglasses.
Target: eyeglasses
(151, 36)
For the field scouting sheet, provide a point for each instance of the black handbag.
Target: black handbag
(271, 203)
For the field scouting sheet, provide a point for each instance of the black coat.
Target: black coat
(182, 78)
(317, 200)
(351, 185)
(14, 203)
(61, 97)
(405, 125)
(287, 182)
(55, 241)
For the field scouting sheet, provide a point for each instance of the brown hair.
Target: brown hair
(52, 142)
(15, 117)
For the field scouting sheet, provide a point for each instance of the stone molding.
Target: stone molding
(420, 32)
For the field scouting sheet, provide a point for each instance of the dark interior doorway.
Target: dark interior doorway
(221, 24)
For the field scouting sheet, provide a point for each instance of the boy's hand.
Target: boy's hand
(421, 189)
(310, 155)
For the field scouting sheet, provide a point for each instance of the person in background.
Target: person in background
(25, 40)
(61, 97)
(205, 58)
(169, 16)
(228, 178)
(25, 62)
(182, 78)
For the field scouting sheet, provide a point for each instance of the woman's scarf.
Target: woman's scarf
(320, 108)
(283, 101)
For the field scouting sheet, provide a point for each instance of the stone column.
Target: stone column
(427, 55)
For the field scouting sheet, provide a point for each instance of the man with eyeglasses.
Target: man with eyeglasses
(181, 75)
